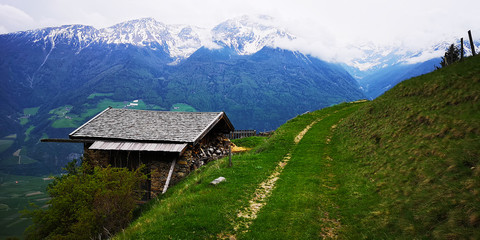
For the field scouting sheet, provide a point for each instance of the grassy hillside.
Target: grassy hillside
(418, 147)
(405, 166)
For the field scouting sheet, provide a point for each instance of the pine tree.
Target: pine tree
(451, 55)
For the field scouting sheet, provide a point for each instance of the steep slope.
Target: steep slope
(383, 79)
(379, 68)
(417, 147)
(404, 166)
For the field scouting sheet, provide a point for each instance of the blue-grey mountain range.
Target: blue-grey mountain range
(55, 79)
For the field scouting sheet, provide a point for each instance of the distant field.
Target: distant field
(64, 119)
(27, 132)
(94, 95)
(23, 121)
(11, 136)
(5, 144)
(30, 111)
(105, 103)
(182, 107)
(27, 112)
(13, 160)
(16, 192)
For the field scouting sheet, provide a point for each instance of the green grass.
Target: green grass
(11, 136)
(23, 121)
(27, 112)
(61, 111)
(418, 147)
(182, 107)
(195, 209)
(250, 142)
(62, 118)
(31, 111)
(16, 192)
(44, 136)
(300, 207)
(65, 123)
(404, 166)
(28, 131)
(94, 95)
(5, 144)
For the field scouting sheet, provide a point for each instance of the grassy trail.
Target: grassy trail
(247, 215)
(298, 208)
(194, 209)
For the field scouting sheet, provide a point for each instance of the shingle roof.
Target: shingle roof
(138, 146)
(150, 126)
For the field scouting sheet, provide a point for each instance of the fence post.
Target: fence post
(472, 45)
(461, 49)
(230, 164)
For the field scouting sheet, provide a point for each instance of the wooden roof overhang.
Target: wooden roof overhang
(121, 141)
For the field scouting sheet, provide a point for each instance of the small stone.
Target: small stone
(217, 180)
(218, 152)
(182, 162)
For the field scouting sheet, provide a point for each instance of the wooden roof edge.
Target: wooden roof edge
(68, 140)
(93, 139)
(227, 120)
(207, 129)
(83, 125)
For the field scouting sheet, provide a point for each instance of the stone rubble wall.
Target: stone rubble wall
(212, 147)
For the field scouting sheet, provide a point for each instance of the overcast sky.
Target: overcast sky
(323, 24)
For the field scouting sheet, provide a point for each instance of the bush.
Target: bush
(452, 55)
(88, 202)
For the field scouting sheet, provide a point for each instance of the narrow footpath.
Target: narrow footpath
(306, 156)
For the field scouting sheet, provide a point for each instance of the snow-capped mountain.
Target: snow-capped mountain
(179, 41)
(248, 35)
(376, 57)
(245, 35)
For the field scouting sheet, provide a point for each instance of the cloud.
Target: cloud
(13, 19)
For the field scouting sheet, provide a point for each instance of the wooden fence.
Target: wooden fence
(241, 134)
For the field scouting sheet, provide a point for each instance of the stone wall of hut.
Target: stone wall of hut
(213, 146)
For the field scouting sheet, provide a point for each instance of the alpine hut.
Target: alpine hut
(169, 144)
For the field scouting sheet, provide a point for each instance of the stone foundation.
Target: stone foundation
(211, 147)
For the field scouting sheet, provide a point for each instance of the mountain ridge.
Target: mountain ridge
(69, 77)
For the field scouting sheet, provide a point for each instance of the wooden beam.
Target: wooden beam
(170, 173)
(66, 140)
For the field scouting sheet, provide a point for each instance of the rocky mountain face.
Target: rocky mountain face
(55, 79)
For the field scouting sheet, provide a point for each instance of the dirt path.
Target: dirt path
(246, 216)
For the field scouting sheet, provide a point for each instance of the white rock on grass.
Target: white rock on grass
(217, 181)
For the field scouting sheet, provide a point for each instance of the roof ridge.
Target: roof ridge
(217, 118)
(165, 111)
(83, 125)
